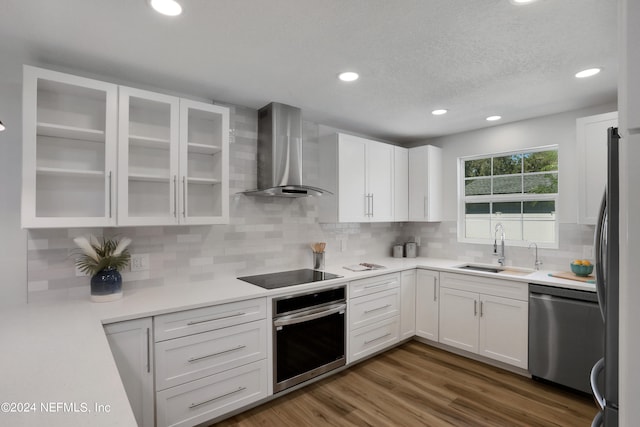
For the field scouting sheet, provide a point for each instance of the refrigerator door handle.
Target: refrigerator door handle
(595, 373)
(597, 420)
(600, 277)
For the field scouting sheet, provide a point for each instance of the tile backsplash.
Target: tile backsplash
(264, 235)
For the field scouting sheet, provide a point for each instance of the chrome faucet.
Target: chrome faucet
(499, 228)
(538, 261)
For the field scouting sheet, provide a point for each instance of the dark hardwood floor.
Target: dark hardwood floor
(419, 385)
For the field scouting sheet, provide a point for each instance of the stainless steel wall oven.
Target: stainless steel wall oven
(308, 336)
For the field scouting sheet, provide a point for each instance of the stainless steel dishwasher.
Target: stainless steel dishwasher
(566, 335)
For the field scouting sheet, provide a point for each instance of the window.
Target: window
(517, 189)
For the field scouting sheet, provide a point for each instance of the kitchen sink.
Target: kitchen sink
(495, 269)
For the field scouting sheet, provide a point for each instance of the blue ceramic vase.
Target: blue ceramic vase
(106, 285)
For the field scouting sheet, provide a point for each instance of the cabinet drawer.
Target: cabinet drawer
(210, 397)
(372, 308)
(371, 285)
(190, 358)
(373, 338)
(183, 323)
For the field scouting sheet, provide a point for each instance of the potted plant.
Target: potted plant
(103, 260)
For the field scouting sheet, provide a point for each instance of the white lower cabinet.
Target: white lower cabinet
(201, 400)
(504, 330)
(191, 357)
(131, 345)
(374, 315)
(373, 338)
(459, 319)
(427, 304)
(210, 361)
(485, 316)
(407, 304)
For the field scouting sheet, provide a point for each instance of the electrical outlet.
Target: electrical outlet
(417, 240)
(139, 262)
(343, 245)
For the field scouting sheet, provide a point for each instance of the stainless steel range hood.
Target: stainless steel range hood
(280, 153)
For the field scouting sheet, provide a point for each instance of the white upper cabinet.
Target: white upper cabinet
(69, 150)
(148, 158)
(360, 173)
(94, 152)
(425, 183)
(591, 136)
(401, 184)
(204, 163)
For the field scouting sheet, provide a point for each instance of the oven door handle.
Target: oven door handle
(305, 316)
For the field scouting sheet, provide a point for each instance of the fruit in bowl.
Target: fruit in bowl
(582, 267)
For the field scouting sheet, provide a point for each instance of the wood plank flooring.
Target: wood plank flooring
(419, 385)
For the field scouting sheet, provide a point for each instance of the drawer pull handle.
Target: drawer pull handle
(435, 289)
(376, 309)
(148, 350)
(481, 304)
(380, 284)
(195, 359)
(376, 339)
(475, 308)
(213, 319)
(238, 390)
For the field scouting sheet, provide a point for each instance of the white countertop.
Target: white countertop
(56, 357)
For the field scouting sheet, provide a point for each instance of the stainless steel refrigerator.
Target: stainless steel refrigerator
(607, 285)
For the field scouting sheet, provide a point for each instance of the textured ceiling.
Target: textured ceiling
(474, 57)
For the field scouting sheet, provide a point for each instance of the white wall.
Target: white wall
(557, 129)
(629, 102)
(13, 240)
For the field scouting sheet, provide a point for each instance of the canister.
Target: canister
(397, 251)
(410, 249)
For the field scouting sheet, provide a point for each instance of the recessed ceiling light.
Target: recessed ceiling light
(587, 73)
(521, 2)
(2, 127)
(348, 76)
(439, 112)
(166, 7)
(493, 118)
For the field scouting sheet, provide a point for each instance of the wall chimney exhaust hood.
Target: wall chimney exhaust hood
(280, 153)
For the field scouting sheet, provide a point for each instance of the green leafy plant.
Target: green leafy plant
(97, 255)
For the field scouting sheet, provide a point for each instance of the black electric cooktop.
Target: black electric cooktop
(288, 278)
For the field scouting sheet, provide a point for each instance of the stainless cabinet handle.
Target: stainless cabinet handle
(371, 204)
(229, 350)
(213, 319)
(195, 405)
(376, 309)
(475, 308)
(481, 304)
(175, 196)
(110, 193)
(435, 290)
(376, 339)
(184, 196)
(379, 284)
(148, 350)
